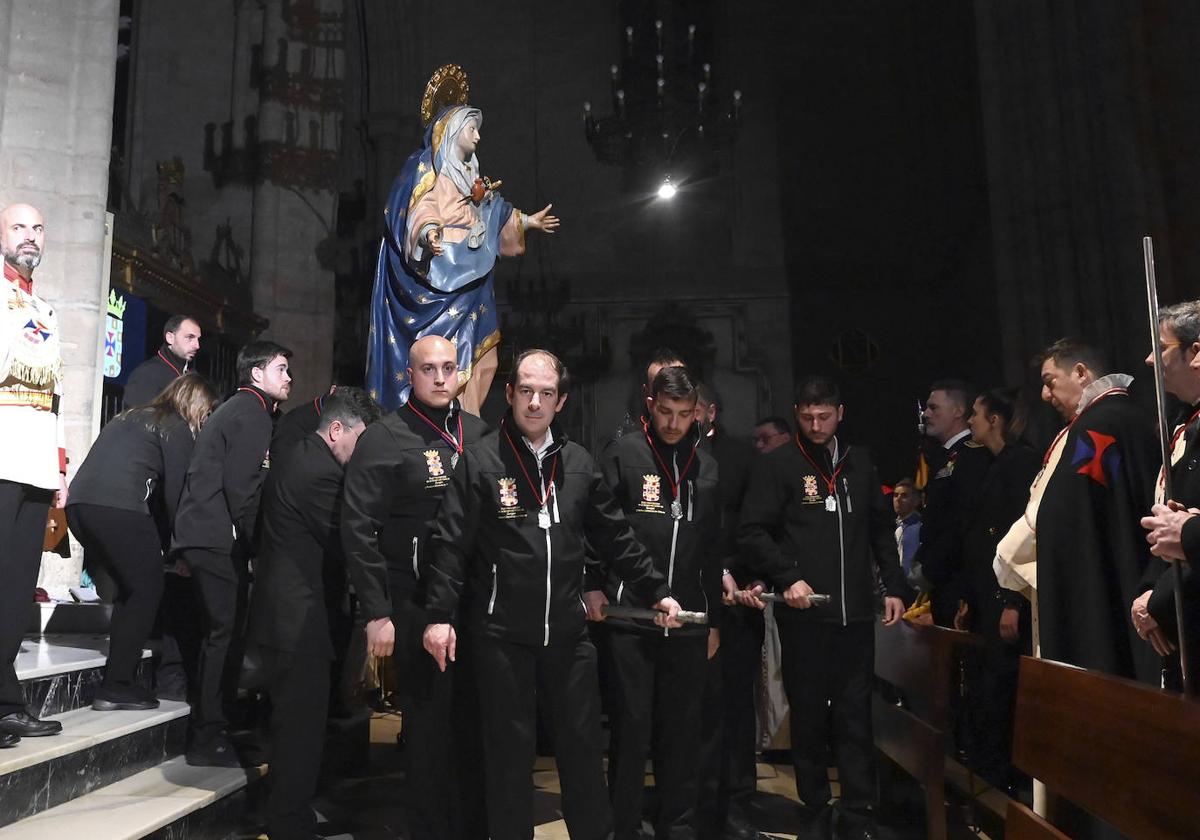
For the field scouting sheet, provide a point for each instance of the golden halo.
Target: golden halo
(447, 86)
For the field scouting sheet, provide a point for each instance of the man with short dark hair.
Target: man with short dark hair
(508, 562)
(957, 469)
(299, 551)
(181, 343)
(394, 486)
(815, 520)
(770, 433)
(34, 467)
(667, 488)
(1084, 567)
(215, 530)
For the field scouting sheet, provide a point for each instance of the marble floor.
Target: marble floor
(366, 806)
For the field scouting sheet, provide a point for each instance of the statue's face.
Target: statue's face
(468, 139)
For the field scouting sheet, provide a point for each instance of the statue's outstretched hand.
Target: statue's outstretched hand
(543, 221)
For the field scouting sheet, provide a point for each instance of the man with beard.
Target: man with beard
(1078, 552)
(215, 530)
(667, 488)
(33, 469)
(815, 520)
(181, 343)
(394, 485)
(509, 549)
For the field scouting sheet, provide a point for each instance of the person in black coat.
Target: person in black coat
(1000, 615)
(729, 776)
(667, 487)
(507, 571)
(299, 548)
(815, 520)
(956, 473)
(394, 486)
(300, 422)
(181, 343)
(215, 528)
(1174, 530)
(137, 452)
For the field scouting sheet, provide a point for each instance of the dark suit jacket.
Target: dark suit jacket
(299, 547)
(151, 376)
(224, 480)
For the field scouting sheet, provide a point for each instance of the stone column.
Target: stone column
(57, 70)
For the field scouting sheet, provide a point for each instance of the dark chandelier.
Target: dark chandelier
(668, 111)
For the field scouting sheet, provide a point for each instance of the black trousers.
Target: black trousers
(991, 673)
(444, 775)
(299, 689)
(222, 582)
(126, 544)
(828, 671)
(730, 775)
(179, 626)
(655, 686)
(512, 679)
(23, 511)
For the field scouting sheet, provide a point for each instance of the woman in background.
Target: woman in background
(1000, 615)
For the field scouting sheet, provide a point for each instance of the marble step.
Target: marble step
(171, 800)
(95, 749)
(69, 618)
(60, 672)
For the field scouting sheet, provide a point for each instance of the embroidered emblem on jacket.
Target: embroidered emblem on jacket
(508, 492)
(810, 485)
(433, 460)
(651, 488)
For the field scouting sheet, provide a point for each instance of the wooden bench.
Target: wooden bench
(922, 663)
(1122, 751)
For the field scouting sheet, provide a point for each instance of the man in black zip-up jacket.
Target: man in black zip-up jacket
(667, 487)
(181, 343)
(394, 485)
(815, 520)
(509, 544)
(214, 531)
(299, 556)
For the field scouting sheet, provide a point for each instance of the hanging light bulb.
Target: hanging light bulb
(666, 189)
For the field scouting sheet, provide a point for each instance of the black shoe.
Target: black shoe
(7, 740)
(217, 752)
(26, 725)
(123, 697)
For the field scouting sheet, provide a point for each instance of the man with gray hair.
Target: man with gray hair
(33, 469)
(1173, 534)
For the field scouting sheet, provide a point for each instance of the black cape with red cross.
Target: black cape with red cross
(1091, 548)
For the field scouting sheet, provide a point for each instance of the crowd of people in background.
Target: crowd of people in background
(506, 570)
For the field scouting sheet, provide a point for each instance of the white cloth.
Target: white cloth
(30, 378)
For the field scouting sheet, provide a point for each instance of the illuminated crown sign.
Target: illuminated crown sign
(116, 304)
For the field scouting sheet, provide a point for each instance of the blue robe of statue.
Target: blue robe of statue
(417, 294)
